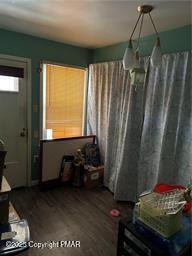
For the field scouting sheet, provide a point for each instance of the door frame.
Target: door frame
(27, 62)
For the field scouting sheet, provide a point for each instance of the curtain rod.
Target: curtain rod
(102, 62)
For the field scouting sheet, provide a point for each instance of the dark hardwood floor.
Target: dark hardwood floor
(71, 214)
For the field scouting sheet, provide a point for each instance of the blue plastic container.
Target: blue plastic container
(174, 244)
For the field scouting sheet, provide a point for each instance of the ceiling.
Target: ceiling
(89, 23)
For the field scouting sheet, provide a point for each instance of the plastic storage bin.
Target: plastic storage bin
(162, 212)
(173, 245)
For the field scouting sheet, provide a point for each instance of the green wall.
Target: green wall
(176, 40)
(38, 49)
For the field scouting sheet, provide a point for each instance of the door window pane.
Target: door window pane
(9, 84)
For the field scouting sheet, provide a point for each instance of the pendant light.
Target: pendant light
(156, 56)
(131, 57)
(128, 59)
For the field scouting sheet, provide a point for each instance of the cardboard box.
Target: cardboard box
(93, 177)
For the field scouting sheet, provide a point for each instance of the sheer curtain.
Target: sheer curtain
(144, 134)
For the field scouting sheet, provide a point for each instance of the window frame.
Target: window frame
(43, 94)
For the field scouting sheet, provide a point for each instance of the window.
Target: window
(9, 84)
(64, 101)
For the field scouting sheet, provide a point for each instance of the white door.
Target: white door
(13, 124)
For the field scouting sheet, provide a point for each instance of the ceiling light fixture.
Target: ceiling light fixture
(131, 57)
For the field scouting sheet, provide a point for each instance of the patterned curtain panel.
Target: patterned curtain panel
(166, 144)
(145, 135)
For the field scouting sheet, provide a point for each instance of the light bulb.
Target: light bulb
(156, 56)
(128, 58)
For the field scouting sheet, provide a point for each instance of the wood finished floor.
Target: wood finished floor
(71, 214)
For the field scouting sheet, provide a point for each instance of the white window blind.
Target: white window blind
(64, 100)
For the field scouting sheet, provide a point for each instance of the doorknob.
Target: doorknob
(23, 133)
